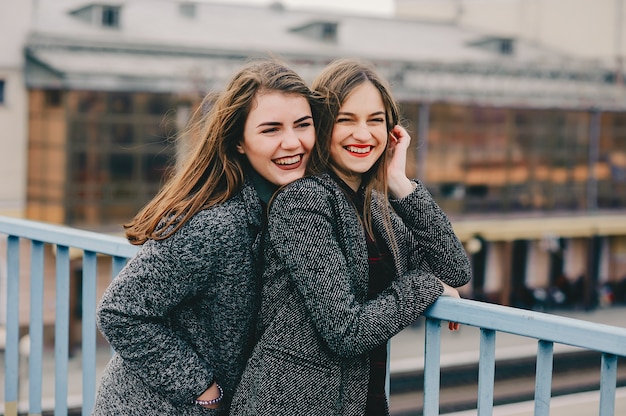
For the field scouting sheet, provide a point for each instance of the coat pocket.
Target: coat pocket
(278, 381)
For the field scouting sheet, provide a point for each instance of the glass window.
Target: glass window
(122, 133)
(482, 160)
(187, 9)
(111, 16)
(120, 103)
(155, 167)
(2, 91)
(53, 98)
(118, 144)
(120, 167)
(90, 101)
(159, 104)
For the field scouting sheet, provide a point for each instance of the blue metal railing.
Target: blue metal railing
(546, 329)
(62, 238)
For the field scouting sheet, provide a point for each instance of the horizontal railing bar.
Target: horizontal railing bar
(526, 323)
(66, 236)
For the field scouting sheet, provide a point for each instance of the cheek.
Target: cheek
(254, 146)
(336, 137)
(383, 135)
(309, 142)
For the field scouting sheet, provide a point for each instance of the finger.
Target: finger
(401, 134)
(399, 131)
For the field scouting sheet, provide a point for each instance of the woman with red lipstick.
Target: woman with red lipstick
(354, 254)
(181, 314)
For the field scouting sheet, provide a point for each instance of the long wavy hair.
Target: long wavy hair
(333, 86)
(213, 171)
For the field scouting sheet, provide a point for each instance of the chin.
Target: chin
(286, 179)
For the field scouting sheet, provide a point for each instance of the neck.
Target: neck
(352, 179)
(263, 187)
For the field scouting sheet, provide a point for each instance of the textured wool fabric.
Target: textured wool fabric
(181, 314)
(316, 325)
(381, 273)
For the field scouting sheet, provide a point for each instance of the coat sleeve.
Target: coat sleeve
(309, 237)
(133, 312)
(434, 240)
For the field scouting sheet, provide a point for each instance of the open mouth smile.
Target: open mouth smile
(289, 162)
(359, 150)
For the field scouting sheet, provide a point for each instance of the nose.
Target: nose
(361, 132)
(290, 140)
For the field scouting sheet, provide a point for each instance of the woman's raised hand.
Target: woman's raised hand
(454, 293)
(398, 183)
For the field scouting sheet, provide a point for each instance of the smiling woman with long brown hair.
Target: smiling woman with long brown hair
(181, 314)
(354, 254)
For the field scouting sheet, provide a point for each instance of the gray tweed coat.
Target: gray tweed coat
(182, 314)
(316, 325)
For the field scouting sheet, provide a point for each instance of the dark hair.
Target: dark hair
(213, 171)
(333, 86)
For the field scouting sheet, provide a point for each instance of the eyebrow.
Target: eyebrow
(346, 113)
(277, 123)
(270, 123)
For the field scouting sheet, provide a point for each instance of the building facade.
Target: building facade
(587, 29)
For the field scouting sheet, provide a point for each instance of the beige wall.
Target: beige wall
(15, 17)
(13, 142)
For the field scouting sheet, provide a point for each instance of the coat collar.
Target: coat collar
(252, 204)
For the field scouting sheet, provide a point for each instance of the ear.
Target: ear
(239, 148)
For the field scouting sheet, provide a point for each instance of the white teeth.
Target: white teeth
(355, 149)
(288, 160)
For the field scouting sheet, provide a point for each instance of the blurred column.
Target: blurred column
(423, 118)
(477, 249)
(619, 33)
(594, 154)
(520, 294)
(590, 295)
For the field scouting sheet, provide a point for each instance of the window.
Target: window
(118, 153)
(52, 98)
(187, 9)
(506, 46)
(110, 16)
(501, 46)
(1, 92)
(318, 30)
(99, 15)
(329, 32)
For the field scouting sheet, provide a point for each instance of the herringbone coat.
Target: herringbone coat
(181, 314)
(316, 325)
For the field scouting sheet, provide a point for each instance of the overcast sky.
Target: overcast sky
(370, 7)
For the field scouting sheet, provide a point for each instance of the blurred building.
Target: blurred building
(523, 145)
(590, 29)
(584, 249)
